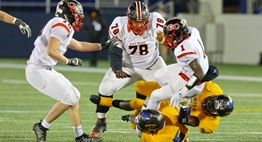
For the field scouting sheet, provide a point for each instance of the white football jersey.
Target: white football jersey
(56, 27)
(190, 49)
(138, 51)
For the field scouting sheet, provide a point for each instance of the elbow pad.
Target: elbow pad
(115, 58)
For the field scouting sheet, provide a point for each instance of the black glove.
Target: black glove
(74, 62)
(110, 43)
(24, 28)
(121, 74)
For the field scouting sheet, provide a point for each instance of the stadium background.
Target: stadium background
(229, 28)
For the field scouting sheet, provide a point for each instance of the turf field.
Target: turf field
(21, 105)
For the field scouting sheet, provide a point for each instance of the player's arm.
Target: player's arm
(24, 28)
(52, 50)
(88, 46)
(5, 17)
(185, 119)
(115, 52)
(198, 73)
(84, 46)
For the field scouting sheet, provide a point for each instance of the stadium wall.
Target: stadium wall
(228, 38)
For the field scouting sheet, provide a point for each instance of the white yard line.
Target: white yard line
(103, 70)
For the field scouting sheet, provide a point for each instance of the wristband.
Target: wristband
(192, 82)
(100, 46)
(14, 20)
(67, 61)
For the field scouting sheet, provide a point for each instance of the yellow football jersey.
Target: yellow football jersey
(207, 124)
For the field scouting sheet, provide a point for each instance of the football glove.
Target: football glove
(24, 28)
(122, 74)
(110, 43)
(175, 99)
(74, 62)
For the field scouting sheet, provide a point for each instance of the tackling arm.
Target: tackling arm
(198, 74)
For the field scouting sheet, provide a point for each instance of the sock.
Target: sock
(101, 115)
(101, 120)
(78, 130)
(45, 124)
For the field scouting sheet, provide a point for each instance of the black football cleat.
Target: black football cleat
(40, 132)
(98, 129)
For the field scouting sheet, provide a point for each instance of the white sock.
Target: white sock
(45, 124)
(101, 115)
(78, 130)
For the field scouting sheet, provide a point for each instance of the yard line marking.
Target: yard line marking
(13, 81)
(103, 70)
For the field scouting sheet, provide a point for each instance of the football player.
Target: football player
(24, 28)
(135, 57)
(203, 110)
(181, 79)
(50, 46)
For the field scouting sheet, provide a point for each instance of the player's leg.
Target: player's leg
(164, 93)
(108, 86)
(145, 88)
(55, 85)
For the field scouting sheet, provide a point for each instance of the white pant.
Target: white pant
(52, 83)
(111, 84)
(170, 83)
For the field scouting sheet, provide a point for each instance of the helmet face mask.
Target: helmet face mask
(150, 121)
(138, 26)
(72, 11)
(218, 105)
(138, 17)
(175, 31)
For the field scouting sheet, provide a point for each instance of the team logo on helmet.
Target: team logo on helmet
(172, 27)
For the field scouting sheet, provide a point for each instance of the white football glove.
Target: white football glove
(175, 99)
(74, 62)
(24, 28)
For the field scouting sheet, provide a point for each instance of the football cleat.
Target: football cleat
(86, 138)
(40, 132)
(99, 129)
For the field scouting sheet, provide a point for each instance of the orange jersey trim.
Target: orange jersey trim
(184, 54)
(62, 25)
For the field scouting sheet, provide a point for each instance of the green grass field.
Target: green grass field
(21, 105)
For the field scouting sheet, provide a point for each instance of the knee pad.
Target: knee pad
(103, 109)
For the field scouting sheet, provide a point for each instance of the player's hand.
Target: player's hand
(110, 43)
(122, 74)
(184, 102)
(74, 62)
(175, 99)
(160, 37)
(24, 28)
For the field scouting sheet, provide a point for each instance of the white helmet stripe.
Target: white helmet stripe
(138, 10)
